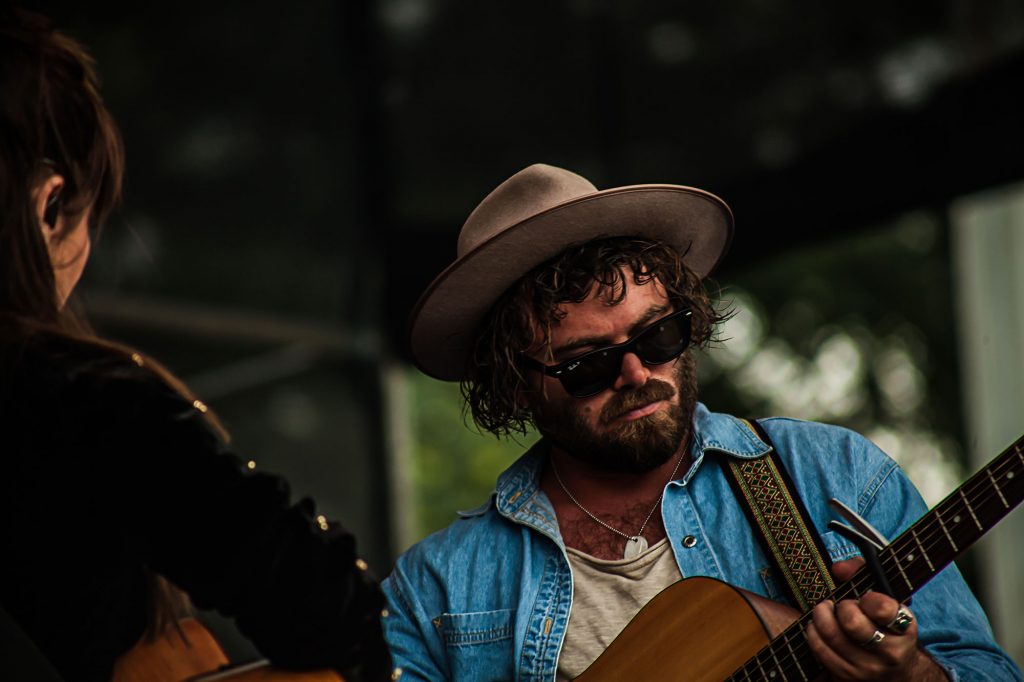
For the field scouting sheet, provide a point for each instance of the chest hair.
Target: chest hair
(582, 533)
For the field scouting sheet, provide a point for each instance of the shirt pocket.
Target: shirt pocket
(479, 645)
(838, 549)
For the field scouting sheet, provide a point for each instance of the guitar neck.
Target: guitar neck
(911, 560)
(953, 525)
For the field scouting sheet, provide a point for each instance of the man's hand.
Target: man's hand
(853, 639)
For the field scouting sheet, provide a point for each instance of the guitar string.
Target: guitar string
(970, 502)
(863, 578)
(932, 537)
(930, 534)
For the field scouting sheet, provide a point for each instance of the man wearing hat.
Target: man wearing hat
(573, 309)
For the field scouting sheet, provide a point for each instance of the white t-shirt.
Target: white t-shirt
(606, 596)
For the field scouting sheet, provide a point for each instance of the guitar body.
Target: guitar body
(171, 658)
(197, 658)
(722, 627)
(732, 635)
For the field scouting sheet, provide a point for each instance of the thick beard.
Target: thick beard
(635, 447)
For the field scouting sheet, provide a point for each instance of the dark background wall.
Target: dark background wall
(298, 172)
(319, 159)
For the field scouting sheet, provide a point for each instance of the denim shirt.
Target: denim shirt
(488, 598)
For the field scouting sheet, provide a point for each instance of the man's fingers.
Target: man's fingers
(901, 622)
(858, 632)
(830, 659)
(846, 638)
(889, 615)
(844, 570)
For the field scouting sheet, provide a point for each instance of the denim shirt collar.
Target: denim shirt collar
(518, 495)
(722, 433)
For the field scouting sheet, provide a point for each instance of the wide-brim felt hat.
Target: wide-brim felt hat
(532, 217)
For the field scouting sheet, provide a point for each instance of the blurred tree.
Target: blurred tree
(858, 332)
(455, 465)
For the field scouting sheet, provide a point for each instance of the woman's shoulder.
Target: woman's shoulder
(60, 369)
(63, 360)
(99, 390)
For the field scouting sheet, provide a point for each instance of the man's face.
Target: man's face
(644, 417)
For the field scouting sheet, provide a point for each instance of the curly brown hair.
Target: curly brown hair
(521, 320)
(52, 120)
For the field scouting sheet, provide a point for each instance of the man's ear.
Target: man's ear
(46, 199)
(521, 400)
(528, 391)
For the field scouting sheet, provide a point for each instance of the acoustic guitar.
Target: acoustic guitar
(729, 639)
(193, 654)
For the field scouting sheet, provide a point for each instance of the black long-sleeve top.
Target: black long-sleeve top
(105, 471)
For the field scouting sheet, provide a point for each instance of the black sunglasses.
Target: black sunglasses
(592, 372)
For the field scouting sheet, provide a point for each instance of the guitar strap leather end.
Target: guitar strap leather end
(781, 524)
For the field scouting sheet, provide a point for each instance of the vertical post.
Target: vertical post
(988, 262)
(359, 33)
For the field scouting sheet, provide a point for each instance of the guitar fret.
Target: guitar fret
(949, 537)
(913, 532)
(899, 567)
(757, 660)
(788, 656)
(996, 485)
(778, 666)
(971, 510)
(796, 659)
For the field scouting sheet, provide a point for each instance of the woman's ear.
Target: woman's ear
(46, 199)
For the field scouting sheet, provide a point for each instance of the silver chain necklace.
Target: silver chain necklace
(635, 544)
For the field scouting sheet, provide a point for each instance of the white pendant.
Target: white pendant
(634, 547)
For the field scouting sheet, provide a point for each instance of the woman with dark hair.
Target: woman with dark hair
(117, 495)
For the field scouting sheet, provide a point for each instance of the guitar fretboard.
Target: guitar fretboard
(910, 561)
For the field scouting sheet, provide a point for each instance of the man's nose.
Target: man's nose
(632, 374)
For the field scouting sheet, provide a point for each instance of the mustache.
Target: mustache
(621, 403)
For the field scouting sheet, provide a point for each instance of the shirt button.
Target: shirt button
(689, 541)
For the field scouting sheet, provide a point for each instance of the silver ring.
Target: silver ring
(874, 640)
(901, 623)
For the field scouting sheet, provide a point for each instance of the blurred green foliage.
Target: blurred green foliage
(455, 465)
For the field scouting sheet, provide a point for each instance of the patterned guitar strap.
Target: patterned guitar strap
(782, 524)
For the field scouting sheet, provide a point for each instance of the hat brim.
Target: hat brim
(696, 223)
